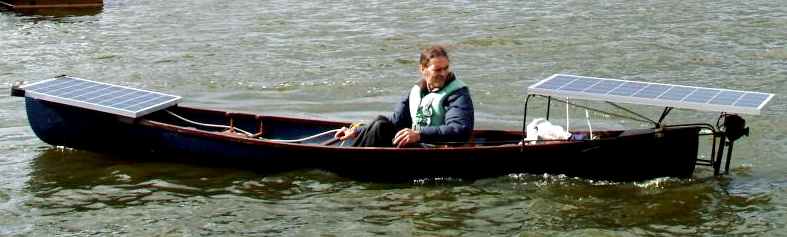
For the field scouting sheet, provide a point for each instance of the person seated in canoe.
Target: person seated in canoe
(437, 109)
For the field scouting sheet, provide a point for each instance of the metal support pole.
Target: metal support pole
(634, 113)
(729, 157)
(664, 114)
(720, 154)
(524, 123)
(605, 112)
(713, 151)
(549, 103)
(524, 119)
(567, 123)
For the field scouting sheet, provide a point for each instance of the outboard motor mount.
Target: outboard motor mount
(735, 127)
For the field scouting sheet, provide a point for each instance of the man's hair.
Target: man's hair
(434, 51)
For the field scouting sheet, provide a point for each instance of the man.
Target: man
(437, 109)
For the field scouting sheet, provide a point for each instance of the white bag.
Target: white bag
(541, 129)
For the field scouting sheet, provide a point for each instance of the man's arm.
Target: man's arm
(459, 120)
(400, 118)
(401, 115)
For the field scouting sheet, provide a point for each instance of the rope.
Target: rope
(302, 139)
(248, 134)
(209, 125)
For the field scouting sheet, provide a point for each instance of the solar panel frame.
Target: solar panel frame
(63, 90)
(745, 103)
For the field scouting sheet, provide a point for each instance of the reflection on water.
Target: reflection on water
(68, 185)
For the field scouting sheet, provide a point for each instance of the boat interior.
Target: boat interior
(309, 131)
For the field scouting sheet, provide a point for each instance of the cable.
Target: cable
(209, 125)
(632, 112)
(248, 134)
(590, 128)
(567, 105)
(302, 139)
(604, 112)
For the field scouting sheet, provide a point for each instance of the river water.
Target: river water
(351, 60)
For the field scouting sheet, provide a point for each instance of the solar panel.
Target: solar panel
(99, 96)
(656, 94)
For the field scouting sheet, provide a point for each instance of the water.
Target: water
(351, 61)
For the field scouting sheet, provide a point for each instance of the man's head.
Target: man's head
(434, 67)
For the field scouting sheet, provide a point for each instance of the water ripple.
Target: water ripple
(350, 61)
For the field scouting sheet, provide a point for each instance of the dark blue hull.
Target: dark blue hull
(617, 156)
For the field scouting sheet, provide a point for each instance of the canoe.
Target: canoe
(133, 123)
(616, 155)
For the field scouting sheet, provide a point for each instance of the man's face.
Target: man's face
(436, 73)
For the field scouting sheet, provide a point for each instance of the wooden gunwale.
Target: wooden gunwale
(273, 144)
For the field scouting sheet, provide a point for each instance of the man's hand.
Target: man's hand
(345, 133)
(406, 136)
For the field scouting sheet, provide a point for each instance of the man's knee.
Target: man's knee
(381, 122)
(379, 132)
